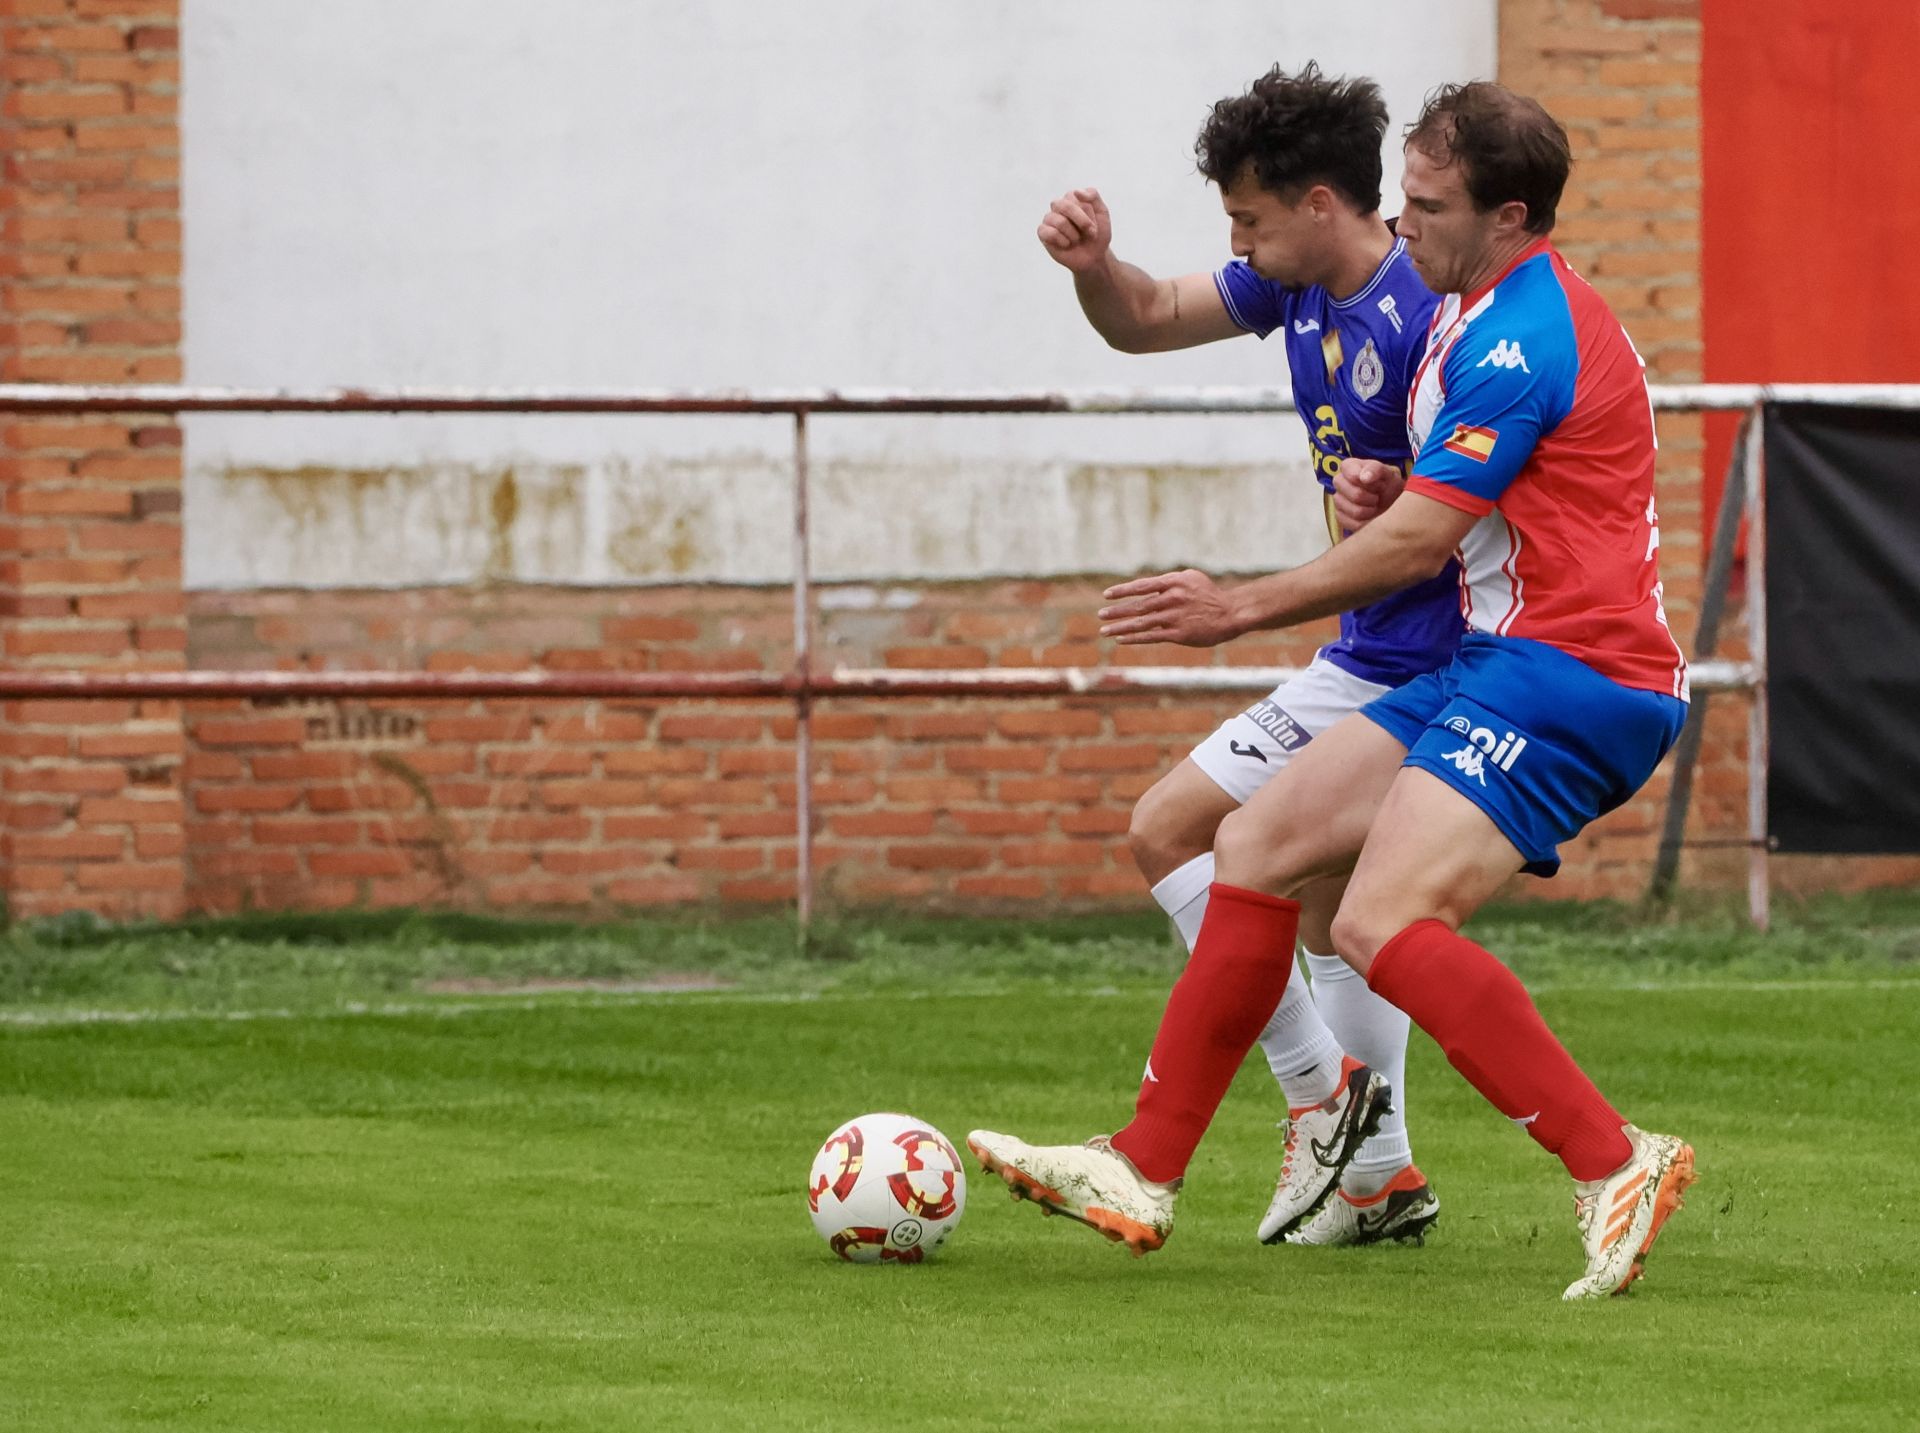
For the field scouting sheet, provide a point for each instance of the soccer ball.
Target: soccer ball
(886, 1188)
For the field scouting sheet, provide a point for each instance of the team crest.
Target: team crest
(1368, 374)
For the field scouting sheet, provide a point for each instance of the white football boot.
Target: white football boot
(1091, 1182)
(1404, 1209)
(1620, 1216)
(1321, 1141)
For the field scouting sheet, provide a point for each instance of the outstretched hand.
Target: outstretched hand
(1077, 230)
(1186, 607)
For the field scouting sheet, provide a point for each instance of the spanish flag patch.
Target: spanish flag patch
(1470, 442)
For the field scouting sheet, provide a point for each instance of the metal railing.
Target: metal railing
(802, 685)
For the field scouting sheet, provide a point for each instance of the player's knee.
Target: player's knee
(1163, 837)
(1352, 937)
(1359, 931)
(1248, 851)
(1146, 840)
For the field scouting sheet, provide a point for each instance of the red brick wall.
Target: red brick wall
(90, 545)
(589, 807)
(596, 805)
(599, 805)
(1624, 77)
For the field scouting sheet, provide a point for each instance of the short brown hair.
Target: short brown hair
(1509, 148)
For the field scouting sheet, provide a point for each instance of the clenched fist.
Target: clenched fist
(1362, 490)
(1077, 230)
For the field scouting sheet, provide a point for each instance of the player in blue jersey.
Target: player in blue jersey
(1297, 162)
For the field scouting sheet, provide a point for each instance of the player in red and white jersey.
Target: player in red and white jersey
(1530, 412)
(1535, 460)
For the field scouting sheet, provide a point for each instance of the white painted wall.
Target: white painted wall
(740, 195)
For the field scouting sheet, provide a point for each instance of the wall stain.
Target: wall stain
(662, 537)
(503, 508)
(438, 853)
(487, 517)
(556, 511)
(638, 519)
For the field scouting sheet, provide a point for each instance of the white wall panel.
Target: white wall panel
(748, 195)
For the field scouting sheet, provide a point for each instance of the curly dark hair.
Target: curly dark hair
(1299, 130)
(1509, 148)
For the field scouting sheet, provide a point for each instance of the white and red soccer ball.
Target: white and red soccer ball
(886, 1188)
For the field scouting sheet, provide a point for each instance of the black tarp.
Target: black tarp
(1843, 628)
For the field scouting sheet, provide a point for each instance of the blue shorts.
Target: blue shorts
(1535, 738)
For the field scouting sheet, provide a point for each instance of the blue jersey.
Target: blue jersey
(1353, 361)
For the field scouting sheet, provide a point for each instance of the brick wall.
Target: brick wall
(598, 806)
(90, 559)
(1624, 77)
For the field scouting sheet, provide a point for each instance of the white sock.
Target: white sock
(1183, 896)
(1374, 1032)
(1300, 1049)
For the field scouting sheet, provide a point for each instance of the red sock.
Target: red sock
(1482, 1017)
(1220, 1004)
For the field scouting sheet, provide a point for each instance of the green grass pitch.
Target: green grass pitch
(274, 1207)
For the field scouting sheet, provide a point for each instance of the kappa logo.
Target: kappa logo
(1482, 747)
(1306, 325)
(1505, 355)
(1470, 761)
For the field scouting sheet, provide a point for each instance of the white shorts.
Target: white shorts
(1247, 750)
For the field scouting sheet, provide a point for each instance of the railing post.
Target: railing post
(1714, 592)
(1759, 883)
(803, 684)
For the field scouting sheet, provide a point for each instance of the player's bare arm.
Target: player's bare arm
(1407, 543)
(1133, 311)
